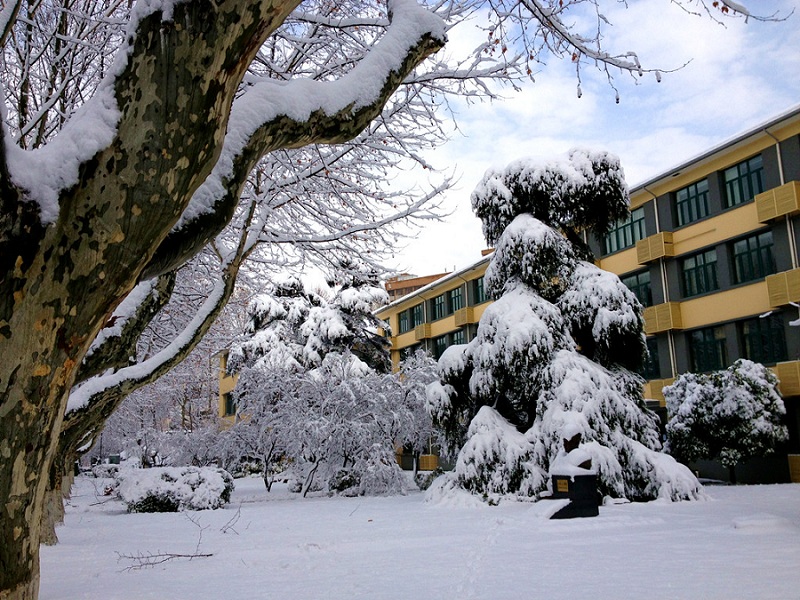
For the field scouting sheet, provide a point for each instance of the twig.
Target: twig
(233, 520)
(142, 560)
(149, 560)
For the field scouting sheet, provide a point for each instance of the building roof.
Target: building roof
(441, 282)
(785, 118)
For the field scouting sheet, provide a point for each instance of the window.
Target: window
(691, 203)
(418, 315)
(403, 321)
(700, 273)
(625, 233)
(440, 344)
(639, 284)
(744, 181)
(408, 351)
(443, 342)
(480, 292)
(439, 307)
(230, 405)
(764, 340)
(651, 368)
(456, 298)
(753, 258)
(707, 347)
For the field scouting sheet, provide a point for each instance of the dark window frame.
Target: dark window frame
(763, 339)
(479, 288)
(439, 306)
(642, 289)
(691, 203)
(625, 233)
(404, 322)
(699, 273)
(455, 299)
(651, 369)
(743, 181)
(417, 314)
(753, 258)
(229, 403)
(707, 347)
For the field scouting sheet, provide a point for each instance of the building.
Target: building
(710, 249)
(226, 408)
(404, 284)
(443, 313)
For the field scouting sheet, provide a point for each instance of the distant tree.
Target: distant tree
(731, 415)
(307, 396)
(554, 352)
(348, 322)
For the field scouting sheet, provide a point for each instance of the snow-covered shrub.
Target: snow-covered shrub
(733, 415)
(381, 475)
(172, 489)
(495, 459)
(425, 479)
(344, 482)
(105, 471)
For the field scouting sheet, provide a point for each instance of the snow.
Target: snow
(47, 170)
(190, 488)
(123, 313)
(744, 543)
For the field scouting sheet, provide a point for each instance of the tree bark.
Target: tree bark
(174, 97)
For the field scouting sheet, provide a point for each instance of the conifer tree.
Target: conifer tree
(555, 351)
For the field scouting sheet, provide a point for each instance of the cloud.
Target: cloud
(739, 75)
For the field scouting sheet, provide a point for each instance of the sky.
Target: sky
(738, 76)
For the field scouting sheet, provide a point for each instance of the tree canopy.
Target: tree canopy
(730, 415)
(553, 353)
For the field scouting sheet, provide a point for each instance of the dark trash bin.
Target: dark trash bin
(582, 493)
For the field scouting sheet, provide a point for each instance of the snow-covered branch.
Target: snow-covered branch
(115, 345)
(270, 115)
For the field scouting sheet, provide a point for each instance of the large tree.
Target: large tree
(553, 354)
(134, 133)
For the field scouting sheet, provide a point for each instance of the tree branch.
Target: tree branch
(115, 346)
(272, 115)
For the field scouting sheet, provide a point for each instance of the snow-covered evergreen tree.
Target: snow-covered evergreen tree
(733, 415)
(554, 352)
(314, 390)
(348, 322)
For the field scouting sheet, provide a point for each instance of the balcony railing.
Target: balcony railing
(784, 287)
(654, 247)
(662, 317)
(778, 202)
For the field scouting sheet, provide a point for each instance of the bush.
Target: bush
(105, 471)
(172, 489)
(425, 479)
(345, 482)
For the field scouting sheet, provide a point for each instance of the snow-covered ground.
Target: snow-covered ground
(744, 542)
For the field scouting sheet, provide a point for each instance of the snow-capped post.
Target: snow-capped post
(555, 351)
(572, 477)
